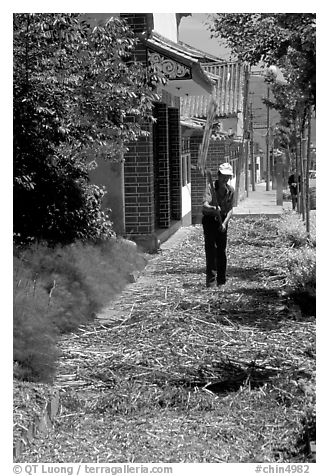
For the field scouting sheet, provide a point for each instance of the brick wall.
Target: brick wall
(139, 23)
(175, 163)
(161, 170)
(152, 166)
(139, 186)
(139, 167)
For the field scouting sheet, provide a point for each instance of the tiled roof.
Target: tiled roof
(227, 78)
(229, 88)
(190, 52)
(202, 56)
(179, 54)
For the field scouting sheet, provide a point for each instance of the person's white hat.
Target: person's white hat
(225, 169)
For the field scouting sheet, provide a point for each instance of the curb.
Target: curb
(256, 215)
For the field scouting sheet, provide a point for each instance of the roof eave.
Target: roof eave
(180, 87)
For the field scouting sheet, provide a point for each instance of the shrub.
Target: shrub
(301, 261)
(34, 348)
(292, 228)
(61, 207)
(302, 267)
(58, 289)
(302, 278)
(74, 86)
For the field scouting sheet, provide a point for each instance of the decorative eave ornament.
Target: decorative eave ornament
(183, 71)
(170, 68)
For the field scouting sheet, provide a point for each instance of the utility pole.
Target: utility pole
(273, 161)
(251, 127)
(268, 166)
(246, 131)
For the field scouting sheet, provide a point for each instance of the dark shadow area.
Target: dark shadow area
(268, 243)
(306, 302)
(243, 273)
(265, 309)
(247, 273)
(258, 294)
(229, 377)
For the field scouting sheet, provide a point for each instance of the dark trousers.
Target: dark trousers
(293, 193)
(215, 242)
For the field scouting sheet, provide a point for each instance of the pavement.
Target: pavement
(261, 202)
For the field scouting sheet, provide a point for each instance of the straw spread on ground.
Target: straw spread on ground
(176, 372)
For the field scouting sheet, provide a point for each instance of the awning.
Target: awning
(185, 75)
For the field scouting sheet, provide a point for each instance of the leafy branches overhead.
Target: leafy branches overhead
(284, 39)
(287, 40)
(93, 80)
(78, 95)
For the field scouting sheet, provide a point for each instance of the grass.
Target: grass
(182, 373)
(58, 289)
(293, 230)
(300, 260)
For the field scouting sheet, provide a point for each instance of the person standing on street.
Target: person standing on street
(292, 182)
(217, 210)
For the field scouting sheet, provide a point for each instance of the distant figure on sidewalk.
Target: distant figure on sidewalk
(292, 182)
(217, 210)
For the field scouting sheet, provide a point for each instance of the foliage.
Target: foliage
(292, 230)
(302, 279)
(61, 206)
(58, 289)
(284, 39)
(78, 95)
(302, 266)
(34, 349)
(300, 261)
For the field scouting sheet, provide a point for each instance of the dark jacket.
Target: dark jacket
(225, 203)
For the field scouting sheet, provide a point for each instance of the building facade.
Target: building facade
(157, 187)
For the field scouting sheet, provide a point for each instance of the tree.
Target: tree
(286, 40)
(78, 95)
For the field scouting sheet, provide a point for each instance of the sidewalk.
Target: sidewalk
(169, 369)
(260, 203)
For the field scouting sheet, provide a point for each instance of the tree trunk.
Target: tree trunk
(246, 151)
(298, 168)
(302, 173)
(309, 117)
(239, 169)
